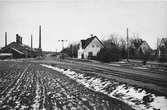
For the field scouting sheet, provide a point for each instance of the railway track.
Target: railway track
(157, 84)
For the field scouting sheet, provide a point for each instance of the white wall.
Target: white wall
(80, 50)
(90, 48)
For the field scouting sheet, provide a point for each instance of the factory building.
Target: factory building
(19, 50)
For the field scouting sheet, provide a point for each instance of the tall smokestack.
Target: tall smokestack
(31, 42)
(40, 36)
(127, 45)
(5, 39)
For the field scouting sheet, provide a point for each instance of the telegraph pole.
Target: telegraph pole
(31, 46)
(127, 45)
(31, 42)
(72, 50)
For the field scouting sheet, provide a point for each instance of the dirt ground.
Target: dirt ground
(155, 81)
(27, 86)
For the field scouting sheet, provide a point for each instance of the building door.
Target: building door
(90, 54)
(82, 56)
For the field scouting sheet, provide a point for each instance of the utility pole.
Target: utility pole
(158, 43)
(127, 45)
(31, 42)
(72, 51)
(31, 46)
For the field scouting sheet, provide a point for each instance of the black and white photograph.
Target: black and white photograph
(83, 54)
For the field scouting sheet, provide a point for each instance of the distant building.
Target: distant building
(89, 47)
(144, 48)
(6, 55)
(18, 50)
(162, 49)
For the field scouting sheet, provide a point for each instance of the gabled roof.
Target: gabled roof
(86, 42)
(20, 47)
(145, 43)
(164, 39)
(17, 51)
(163, 42)
(144, 47)
(17, 47)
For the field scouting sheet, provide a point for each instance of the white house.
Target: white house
(89, 47)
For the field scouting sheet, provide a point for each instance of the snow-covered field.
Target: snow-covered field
(138, 98)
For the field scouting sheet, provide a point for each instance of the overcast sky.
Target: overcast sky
(73, 20)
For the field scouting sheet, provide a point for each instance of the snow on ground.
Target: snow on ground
(123, 62)
(138, 98)
(37, 97)
(115, 64)
(140, 67)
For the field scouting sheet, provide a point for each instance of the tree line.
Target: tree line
(115, 49)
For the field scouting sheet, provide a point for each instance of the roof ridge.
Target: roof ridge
(86, 42)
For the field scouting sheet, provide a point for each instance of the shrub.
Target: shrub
(162, 59)
(109, 54)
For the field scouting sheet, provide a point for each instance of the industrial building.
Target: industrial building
(19, 50)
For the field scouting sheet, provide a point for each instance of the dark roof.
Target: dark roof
(165, 39)
(17, 51)
(20, 48)
(86, 42)
(163, 42)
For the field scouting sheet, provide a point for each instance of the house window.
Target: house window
(97, 45)
(93, 46)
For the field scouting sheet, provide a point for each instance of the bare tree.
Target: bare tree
(122, 46)
(113, 40)
(71, 50)
(122, 42)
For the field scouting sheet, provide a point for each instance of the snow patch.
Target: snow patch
(37, 98)
(115, 64)
(138, 98)
(143, 68)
